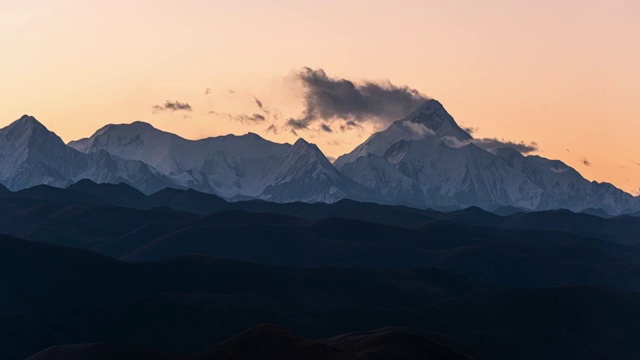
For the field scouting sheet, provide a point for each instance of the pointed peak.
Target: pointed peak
(301, 146)
(432, 104)
(435, 117)
(27, 125)
(301, 142)
(28, 120)
(26, 117)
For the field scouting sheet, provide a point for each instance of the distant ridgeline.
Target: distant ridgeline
(424, 160)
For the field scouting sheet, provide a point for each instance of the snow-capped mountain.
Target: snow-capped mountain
(562, 184)
(234, 167)
(424, 160)
(32, 155)
(305, 174)
(227, 165)
(427, 160)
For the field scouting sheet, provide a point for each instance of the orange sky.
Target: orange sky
(564, 74)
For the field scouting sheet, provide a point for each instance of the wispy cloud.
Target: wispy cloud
(493, 143)
(172, 106)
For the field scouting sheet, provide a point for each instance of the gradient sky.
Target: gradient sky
(563, 74)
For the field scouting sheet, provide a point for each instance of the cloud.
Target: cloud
(493, 143)
(244, 118)
(327, 98)
(326, 128)
(348, 125)
(419, 129)
(259, 104)
(272, 129)
(470, 129)
(172, 106)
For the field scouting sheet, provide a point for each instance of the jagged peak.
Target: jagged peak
(436, 118)
(302, 145)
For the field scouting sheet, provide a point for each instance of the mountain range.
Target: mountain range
(424, 160)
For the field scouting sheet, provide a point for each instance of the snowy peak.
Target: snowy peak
(304, 156)
(430, 121)
(25, 129)
(305, 174)
(435, 120)
(302, 147)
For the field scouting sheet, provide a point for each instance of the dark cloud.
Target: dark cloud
(334, 98)
(244, 118)
(297, 124)
(326, 128)
(266, 114)
(259, 103)
(493, 143)
(272, 129)
(349, 125)
(172, 106)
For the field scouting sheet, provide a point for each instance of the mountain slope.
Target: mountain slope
(226, 165)
(427, 160)
(32, 155)
(305, 174)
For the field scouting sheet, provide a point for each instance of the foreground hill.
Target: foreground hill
(269, 341)
(185, 305)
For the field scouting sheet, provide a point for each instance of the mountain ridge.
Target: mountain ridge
(423, 160)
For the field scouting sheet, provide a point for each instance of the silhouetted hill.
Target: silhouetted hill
(406, 344)
(507, 210)
(501, 255)
(102, 352)
(623, 229)
(45, 277)
(114, 194)
(270, 342)
(54, 295)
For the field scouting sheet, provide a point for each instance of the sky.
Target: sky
(561, 74)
